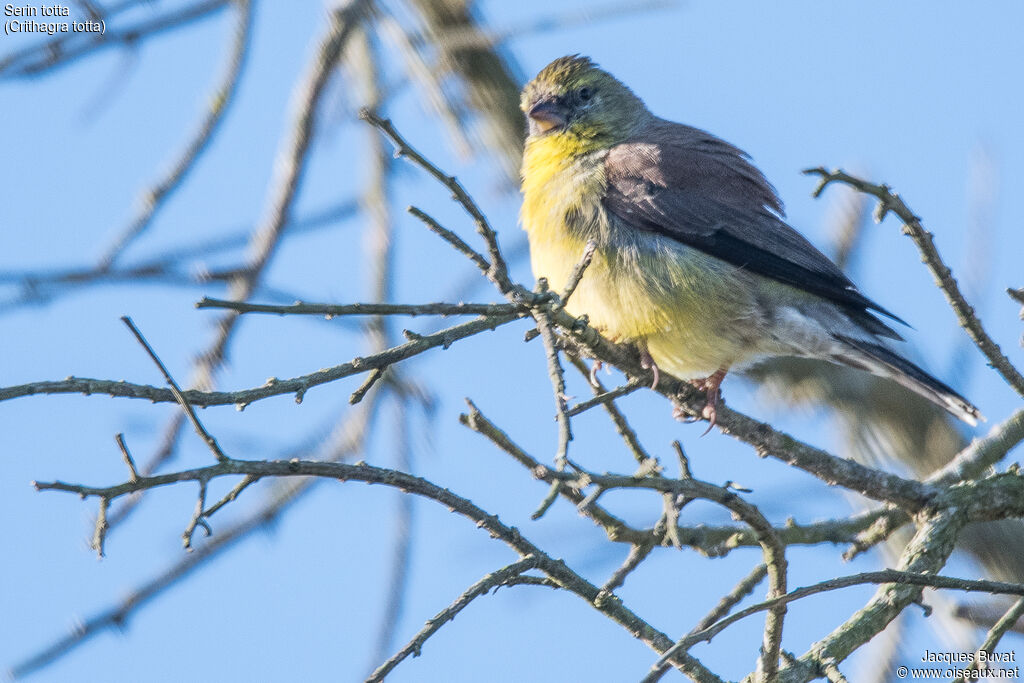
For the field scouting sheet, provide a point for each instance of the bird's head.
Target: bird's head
(572, 96)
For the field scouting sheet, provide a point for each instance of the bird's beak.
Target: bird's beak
(548, 114)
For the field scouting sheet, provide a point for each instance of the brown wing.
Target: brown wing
(686, 184)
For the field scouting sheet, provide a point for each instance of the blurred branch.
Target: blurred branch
(995, 634)
(168, 267)
(889, 201)
(348, 438)
(289, 166)
(490, 79)
(478, 37)
(429, 81)
(153, 198)
(66, 48)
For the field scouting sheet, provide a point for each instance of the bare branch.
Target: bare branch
(100, 534)
(577, 272)
(995, 634)
(606, 397)
(884, 577)
(744, 588)
(498, 270)
(347, 438)
(890, 201)
(127, 456)
(772, 548)
(452, 239)
(178, 396)
(153, 198)
(493, 580)
(68, 47)
(197, 518)
(981, 454)
(568, 579)
(231, 495)
(330, 310)
(273, 387)
(557, 375)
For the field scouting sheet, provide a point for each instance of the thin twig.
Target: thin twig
(273, 387)
(65, 48)
(557, 570)
(100, 534)
(890, 201)
(231, 495)
(127, 456)
(578, 270)
(995, 634)
(637, 554)
(622, 426)
(771, 546)
(289, 164)
(607, 396)
(452, 239)
(744, 588)
(498, 270)
(925, 554)
(557, 376)
(153, 198)
(197, 518)
(178, 395)
(493, 580)
(982, 453)
(370, 380)
(330, 310)
(348, 438)
(882, 577)
(616, 529)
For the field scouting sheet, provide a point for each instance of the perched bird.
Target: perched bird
(694, 263)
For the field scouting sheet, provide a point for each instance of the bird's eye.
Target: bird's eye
(585, 94)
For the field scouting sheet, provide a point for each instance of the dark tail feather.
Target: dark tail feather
(880, 361)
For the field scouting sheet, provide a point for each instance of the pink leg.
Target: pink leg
(712, 387)
(647, 363)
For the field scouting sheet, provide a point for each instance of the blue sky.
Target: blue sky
(910, 93)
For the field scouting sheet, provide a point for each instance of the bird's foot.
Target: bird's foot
(597, 365)
(647, 363)
(711, 386)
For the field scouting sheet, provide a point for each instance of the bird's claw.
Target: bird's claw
(647, 363)
(712, 387)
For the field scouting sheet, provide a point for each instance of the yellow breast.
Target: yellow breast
(690, 308)
(561, 179)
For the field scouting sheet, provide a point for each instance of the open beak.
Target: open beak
(547, 115)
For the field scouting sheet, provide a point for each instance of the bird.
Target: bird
(693, 259)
